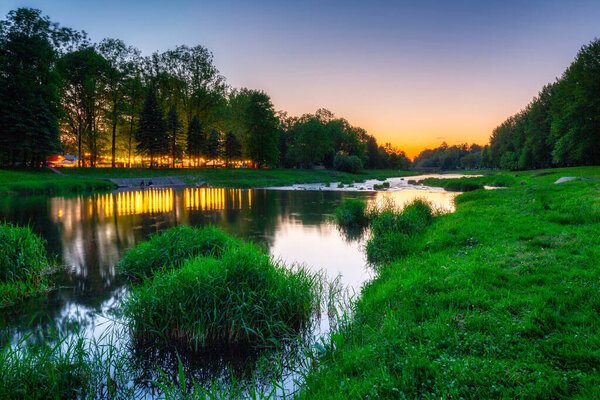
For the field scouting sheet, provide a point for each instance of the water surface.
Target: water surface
(88, 234)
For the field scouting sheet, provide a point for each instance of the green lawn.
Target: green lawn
(43, 181)
(500, 299)
(239, 177)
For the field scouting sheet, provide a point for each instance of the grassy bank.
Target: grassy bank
(497, 300)
(467, 184)
(44, 181)
(24, 266)
(239, 177)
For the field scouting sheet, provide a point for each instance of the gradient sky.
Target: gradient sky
(413, 73)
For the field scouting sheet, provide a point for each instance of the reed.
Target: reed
(23, 264)
(171, 248)
(243, 299)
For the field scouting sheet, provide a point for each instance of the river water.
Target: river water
(88, 234)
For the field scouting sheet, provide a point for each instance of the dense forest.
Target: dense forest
(560, 127)
(106, 103)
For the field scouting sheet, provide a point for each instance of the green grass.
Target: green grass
(380, 186)
(467, 184)
(170, 249)
(43, 181)
(23, 264)
(393, 230)
(67, 366)
(238, 177)
(241, 300)
(352, 213)
(500, 299)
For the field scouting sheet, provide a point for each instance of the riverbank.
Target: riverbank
(46, 182)
(238, 177)
(498, 300)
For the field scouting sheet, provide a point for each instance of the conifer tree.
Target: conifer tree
(152, 134)
(196, 139)
(213, 146)
(232, 148)
(174, 128)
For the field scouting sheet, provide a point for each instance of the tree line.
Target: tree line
(559, 127)
(61, 93)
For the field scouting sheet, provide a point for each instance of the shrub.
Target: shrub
(243, 298)
(351, 164)
(351, 213)
(171, 248)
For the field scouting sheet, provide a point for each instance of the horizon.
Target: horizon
(417, 82)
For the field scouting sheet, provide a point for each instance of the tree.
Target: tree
(83, 87)
(120, 64)
(260, 126)
(174, 129)
(196, 139)
(232, 148)
(213, 146)
(29, 99)
(152, 134)
(311, 141)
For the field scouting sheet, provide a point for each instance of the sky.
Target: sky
(413, 73)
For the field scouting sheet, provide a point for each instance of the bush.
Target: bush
(351, 213)
(243, 298)
(171, 248)
(351, 164)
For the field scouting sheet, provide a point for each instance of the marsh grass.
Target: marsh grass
(66, 365)
(24, 265)
(393, 230)
(243, 299)
(171, 248)
(351, 213)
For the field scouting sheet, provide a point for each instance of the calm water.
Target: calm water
(89, 234)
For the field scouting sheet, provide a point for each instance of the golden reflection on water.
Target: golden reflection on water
(205, 199)
(151, 201)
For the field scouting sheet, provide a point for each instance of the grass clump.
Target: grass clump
(242, 299)
(171, 248)
(352, 213)
(43, 371)
(381, 186)
(392, 230)
(23, 264)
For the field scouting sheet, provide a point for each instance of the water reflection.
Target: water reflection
(89, 234)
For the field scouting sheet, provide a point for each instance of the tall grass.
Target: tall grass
(242, 299)
(352, 213)
(171, 248)
(393, 230)
(23, 262)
